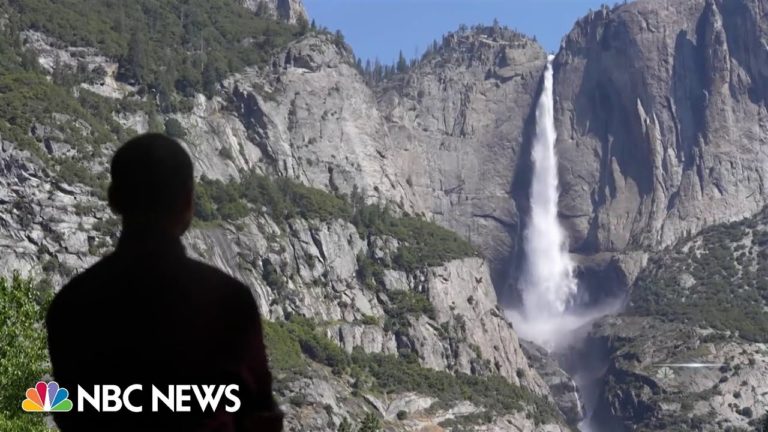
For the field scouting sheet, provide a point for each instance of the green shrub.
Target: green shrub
(344, 426)
(315, 346)
(272, 277)
(370, 423)
(369, 272)
(27, 98)
(173, 128)
(283, 348)
(23, 351)
(370, 320)
(403, 304)
(282, 199)
(423, 243)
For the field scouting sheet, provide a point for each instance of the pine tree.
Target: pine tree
(378, 71)
(133, 66)
(368, 71)
(262, 9)
(402, 63)
(339, 37)
(210, 79)
(302, 23)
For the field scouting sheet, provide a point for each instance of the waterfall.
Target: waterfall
(547, 282)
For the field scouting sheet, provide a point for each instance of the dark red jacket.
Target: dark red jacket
(147, 314)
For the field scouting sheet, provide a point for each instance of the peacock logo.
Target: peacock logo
(47, 398)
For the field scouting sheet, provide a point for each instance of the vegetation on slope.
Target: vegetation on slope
(717, 279)
(423, 243)
(34, 107)
(169, 49)
(291, 344)
(186, 45)
(23, 351)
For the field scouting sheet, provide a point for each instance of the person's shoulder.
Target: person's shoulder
(74, 293)
(226, 285)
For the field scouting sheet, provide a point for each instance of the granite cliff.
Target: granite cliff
(290, 11)
(662, 120)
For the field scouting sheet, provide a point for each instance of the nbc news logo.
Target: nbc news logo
(111, 398)
(47, 398)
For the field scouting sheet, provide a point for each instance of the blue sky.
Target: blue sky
(381, 28)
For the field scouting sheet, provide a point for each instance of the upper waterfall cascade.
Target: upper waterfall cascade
(547, 283)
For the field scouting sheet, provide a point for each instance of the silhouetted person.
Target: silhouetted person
(147, 314)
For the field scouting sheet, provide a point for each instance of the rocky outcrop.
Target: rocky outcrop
(459, 122)
(444, 140)
(286, 10)
(47, 226)
(461, 292)
(326, 401)
(648, 385)
(310, 117)
(317, 264)
(562, 386)
(661, 113)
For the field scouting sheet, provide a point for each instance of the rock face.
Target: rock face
(563, 388)
(318, 265)
(309, 117)
(47, 226)
(688, 348)
(57, 229)
(444, 140)
(459, 122)
(641, 392)
(466, 334)
(287, 10)
(662, 120)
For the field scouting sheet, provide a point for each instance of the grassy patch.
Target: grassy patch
(283, 348)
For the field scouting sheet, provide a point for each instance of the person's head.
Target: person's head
(152, 184)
